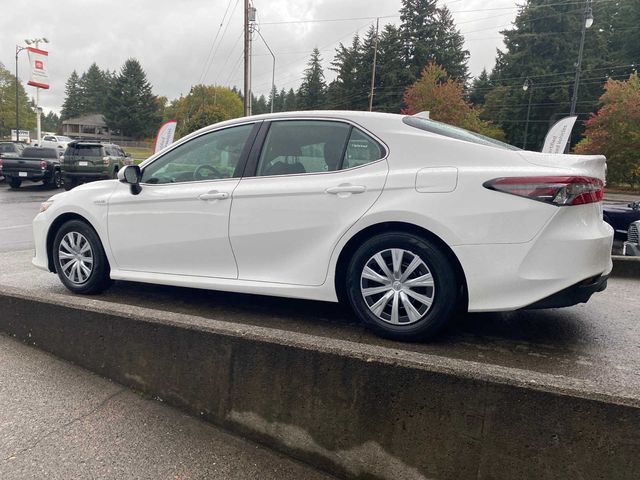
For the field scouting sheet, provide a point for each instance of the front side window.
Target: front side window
(210, 156)
(314, 146)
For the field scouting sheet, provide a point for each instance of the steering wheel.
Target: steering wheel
(202, 172)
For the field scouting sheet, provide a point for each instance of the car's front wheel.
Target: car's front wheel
(79, 258)
(69, 183)
(402, 286)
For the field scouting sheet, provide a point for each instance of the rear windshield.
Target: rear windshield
(85, 150)
(450, 131)
(40, 152)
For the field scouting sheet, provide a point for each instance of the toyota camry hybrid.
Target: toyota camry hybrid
(406, 219)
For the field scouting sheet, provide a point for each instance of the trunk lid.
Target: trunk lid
(583, 165)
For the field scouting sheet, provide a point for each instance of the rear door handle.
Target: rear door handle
(214, 195)
(346, 188)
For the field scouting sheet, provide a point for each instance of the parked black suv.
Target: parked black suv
(87, 161)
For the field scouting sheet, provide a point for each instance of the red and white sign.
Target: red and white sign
(165, 135)
(39, 73)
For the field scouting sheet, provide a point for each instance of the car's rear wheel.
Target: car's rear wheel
(56, 180)
(79, 258)
(15, 182)
(402, 286)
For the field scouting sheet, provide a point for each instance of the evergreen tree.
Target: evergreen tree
(480, 86)
(132, 108)
(345, 91)
(312, 92)
(392, 75)
(51, 122)
(450, 51)
(429, 36)
(290, 101)
(543, 45)
(94, 86)
(72, 105)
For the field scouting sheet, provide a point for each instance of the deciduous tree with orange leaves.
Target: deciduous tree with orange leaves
(443, 97)
(614, 130)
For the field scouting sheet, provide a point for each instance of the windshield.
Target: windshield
(64, 139)
(450, 131)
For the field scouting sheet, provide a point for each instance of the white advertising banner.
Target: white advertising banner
(165, 135)
(558, 135)
(39, 72)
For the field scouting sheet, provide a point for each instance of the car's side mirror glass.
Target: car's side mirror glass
(132, 175)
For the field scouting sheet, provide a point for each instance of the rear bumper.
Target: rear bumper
(579, 293)
(34, 176)
(574, 245)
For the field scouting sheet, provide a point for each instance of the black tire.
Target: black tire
(56, 180)
(98, 279)
(15, 182)
(69, 184)
(414, 319)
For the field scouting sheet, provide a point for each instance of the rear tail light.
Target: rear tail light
(105, 160)
(552, 190)
(1, 162)
(43, 164)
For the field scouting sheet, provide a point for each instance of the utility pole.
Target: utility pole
(587, 22)
(249, 18)
(373, 70)
(247, 94)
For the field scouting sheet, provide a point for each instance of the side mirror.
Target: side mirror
(132, 175)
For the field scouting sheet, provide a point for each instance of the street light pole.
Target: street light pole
(587, 21)
(18, 50)
(273, 71)
(528, 85)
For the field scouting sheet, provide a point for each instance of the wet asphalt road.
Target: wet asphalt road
(597, 342)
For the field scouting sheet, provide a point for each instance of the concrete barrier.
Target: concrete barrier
(355, 410)
(624, 266)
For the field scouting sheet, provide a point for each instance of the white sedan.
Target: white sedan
(406, 219)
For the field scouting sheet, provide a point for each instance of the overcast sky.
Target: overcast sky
(173, 39)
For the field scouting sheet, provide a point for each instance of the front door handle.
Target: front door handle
(346, 188)
(214, 195)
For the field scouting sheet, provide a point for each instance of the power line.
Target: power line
(213, 43)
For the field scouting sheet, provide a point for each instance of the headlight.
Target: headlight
(44, 206)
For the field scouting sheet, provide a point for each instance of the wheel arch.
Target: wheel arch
(384, 227)
(53, 229)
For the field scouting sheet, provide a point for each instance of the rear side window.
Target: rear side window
(361, 149)
(315, 146)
